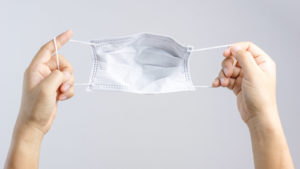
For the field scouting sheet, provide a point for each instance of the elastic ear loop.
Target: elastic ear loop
(204, 49)
(71, 40)
(56, 52)
(84, 43)
(57, 57)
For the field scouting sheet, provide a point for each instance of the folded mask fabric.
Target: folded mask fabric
(141, 63)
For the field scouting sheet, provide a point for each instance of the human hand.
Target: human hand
(252, 79)
(44, 86)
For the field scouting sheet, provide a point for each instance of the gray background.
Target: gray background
(114, 130)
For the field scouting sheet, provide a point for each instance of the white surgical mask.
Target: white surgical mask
(141, 63)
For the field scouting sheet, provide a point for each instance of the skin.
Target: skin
(43, 87)
(246, 70)
(251, 74)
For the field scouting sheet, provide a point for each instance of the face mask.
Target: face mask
(141, 63)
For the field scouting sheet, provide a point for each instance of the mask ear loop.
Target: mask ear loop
(204, 49)
(56, 52)
(84, 43)
(57, 57)
(209, 48)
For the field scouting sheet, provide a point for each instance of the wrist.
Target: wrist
(265, 125)
(267, 117)
(25, 147)
(27, 134)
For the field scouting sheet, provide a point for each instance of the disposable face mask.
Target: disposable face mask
(141, 63)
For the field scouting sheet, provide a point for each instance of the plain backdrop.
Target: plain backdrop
(185, 130)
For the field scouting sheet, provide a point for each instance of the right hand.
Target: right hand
(44, 85)
(251, 74)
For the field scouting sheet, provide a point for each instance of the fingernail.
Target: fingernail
(225, 70)
(62, 97)
(65, 87)
(235, 49)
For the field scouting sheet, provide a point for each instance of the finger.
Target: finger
(236, 72)
(44, 54)
(67, 84)
(227, 52)
(246, 60)
(259, 55)
(251, 47)
(260, 60)
(231, 83)
(223, 79)
(227, 66)
(216, 83)
(237, 86)
(53, 81)
(67, 95)
(64, 65)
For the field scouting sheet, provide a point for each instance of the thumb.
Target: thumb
(246, 60)
(53, 81)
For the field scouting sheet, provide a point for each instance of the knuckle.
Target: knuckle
(223, 62)
(71, 94)
(45, 47)
(241, 53)
(249, 43)
(27, 71)
(72, 69)
(273, 61)
(274, 64)
(72, 79)
(227, 61)
(58, 73)
(66, 63)
(30, 69)
(221, 74)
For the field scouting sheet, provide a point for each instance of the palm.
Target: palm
(43, 71)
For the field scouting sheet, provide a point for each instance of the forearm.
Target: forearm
(25, 148)
(270, 148)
